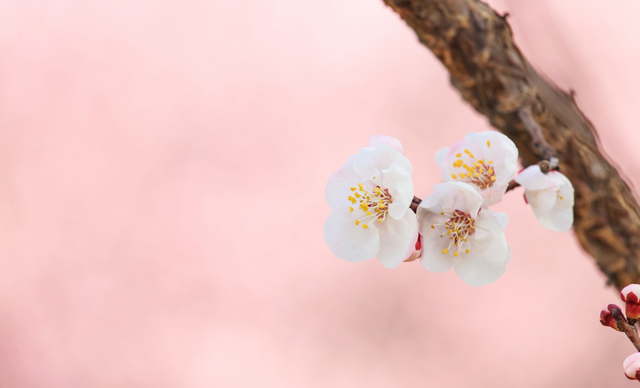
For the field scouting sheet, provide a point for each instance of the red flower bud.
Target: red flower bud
(606, 316)
(631, 296)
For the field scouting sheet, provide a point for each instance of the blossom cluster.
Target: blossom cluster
(372, 206)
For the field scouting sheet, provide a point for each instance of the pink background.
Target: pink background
(162, 199)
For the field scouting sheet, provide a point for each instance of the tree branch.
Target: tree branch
(475, 44)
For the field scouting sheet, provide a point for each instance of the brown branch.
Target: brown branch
(475, 44)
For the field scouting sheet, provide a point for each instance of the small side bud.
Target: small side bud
(545, 166)
(631, 366)
(606, 316)
(631, 296)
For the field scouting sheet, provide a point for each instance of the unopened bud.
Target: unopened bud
(606, 316)
(631, 296)
(631, 366)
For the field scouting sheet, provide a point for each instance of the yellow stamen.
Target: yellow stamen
(488, 143)
(491, 162)
(467, 251)
(357, 222)
(369, 213)
(454, 176)
(350, 209)
(458, 155)
(442, 213)
(462, 175)
(353, 189)
(365, 226)
(444, 251)
(491, 171)
(455, 253)
(493, 178)
(560, 196)
(357, 195)
(379, 220)
(433, 227)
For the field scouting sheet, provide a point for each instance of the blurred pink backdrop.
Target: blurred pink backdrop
(162, 179)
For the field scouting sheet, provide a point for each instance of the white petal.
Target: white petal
(489, 254)
(531, 178)
(478, 272)
(432, 257)
(400, 186)
(502, 218)
(565, 188)
(447, 197)
(370, 160)
(553, 206)
(338, 187)
(465, 197)
(348, 241)
(488, 230)
(442, 152)
(397, 239)
(557, 219)
(374, 140)
(492, 195)
(541, 201)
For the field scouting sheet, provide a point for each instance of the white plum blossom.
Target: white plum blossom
(550, 196)
(457, 232)
(369, 199)
(487, 161)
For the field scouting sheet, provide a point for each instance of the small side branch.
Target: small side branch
(539, 142)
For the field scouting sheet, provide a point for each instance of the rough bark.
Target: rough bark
(476, 46)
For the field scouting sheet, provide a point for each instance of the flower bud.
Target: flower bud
(631, 296)
(631, 366)
(606, 316)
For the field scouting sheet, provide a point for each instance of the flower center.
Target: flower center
(375, 206)
(478, 172)
(458, 227)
